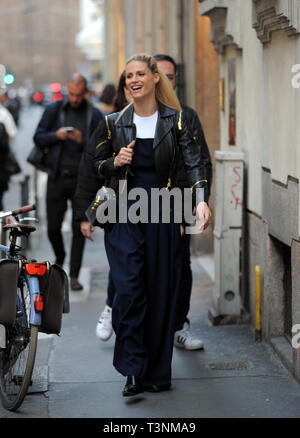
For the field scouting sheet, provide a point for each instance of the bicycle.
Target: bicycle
(21, 315)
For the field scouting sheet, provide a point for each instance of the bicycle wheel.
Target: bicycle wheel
(17, 359)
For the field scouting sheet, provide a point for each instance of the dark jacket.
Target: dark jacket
(197, 132)
(4, 151)
(88, 182)
(175, 149)
(52, 119)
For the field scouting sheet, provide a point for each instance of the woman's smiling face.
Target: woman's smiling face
(140, 81)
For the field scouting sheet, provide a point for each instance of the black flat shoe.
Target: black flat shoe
(75, 285)
(133, 386)
(157, 388)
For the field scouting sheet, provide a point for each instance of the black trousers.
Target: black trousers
(185, 289)
(58, 193)
(145, 262)
(110, 291)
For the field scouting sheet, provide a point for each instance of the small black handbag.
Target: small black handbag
(103, 197)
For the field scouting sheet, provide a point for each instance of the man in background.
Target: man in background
(183, 337)
(64, 130)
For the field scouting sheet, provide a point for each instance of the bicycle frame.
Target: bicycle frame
(35, 318)
(18, 340)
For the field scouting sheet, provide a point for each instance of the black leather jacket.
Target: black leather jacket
(197, 132)
(176, 151)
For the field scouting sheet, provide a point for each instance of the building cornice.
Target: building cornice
(272, 15)
(224, 31)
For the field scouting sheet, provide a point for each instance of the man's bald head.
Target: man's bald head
(78, 79)
(77, 88)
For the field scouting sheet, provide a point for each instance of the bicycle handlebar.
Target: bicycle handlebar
(24, 209)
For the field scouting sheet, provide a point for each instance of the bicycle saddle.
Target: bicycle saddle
(21, 228)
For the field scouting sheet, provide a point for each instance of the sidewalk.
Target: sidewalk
(234, 377)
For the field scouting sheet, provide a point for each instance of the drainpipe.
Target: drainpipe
(258, 334)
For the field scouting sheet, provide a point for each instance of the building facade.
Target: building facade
(37, 40)
(258, 45)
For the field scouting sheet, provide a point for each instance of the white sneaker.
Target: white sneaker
(183, 339)
(104, 328)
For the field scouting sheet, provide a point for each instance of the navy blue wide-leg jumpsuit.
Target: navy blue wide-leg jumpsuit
(145, 265)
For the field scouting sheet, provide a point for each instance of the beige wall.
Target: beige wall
(267, 129)
(159, 26)
(151, 26)
(281, 118)
(266, 104)
(207, 101)
(115, 40)
(207, 82)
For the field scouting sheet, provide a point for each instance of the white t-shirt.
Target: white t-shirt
(145, 126)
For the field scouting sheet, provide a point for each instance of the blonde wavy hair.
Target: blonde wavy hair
(164, 92)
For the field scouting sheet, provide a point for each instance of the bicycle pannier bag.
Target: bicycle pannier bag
(55, 290)
(9, 272)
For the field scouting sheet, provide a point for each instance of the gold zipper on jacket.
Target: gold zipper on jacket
(100, 144)
(197, 182)
(108, 134)
(180, 121)
(99, 167)
(108, 130)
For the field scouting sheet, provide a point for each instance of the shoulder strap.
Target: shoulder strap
(111, 122)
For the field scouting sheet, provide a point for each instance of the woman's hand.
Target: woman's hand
(87, 229)
(125, 155)
(204, 215)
